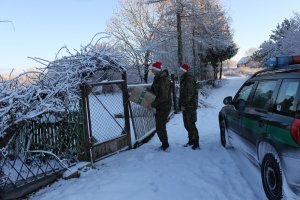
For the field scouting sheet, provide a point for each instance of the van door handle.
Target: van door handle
(261, 123)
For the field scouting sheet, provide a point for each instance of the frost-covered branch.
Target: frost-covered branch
(284, 41)
(52, 89)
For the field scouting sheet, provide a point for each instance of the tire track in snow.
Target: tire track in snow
(248, 170)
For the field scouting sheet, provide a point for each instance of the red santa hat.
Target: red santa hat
(156, 66)
(184, 67)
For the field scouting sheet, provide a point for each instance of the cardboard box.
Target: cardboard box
(142, 97)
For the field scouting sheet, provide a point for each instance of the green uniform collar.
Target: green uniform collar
(185, 75)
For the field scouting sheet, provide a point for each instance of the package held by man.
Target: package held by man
(142, 97)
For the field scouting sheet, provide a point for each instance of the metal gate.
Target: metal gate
(40, 151)
(106, 117)
(143, 120)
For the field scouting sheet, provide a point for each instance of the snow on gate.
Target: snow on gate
(107, 117)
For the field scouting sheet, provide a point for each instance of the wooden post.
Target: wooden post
(87, 123)
(126, 107)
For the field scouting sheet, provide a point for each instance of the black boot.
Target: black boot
(189, 143)
(196, 145)
(165, 146)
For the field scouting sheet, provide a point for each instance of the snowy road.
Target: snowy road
(181, 174)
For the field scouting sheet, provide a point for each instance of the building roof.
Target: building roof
(244, 60)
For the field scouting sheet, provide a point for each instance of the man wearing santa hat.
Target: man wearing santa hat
(161, 88)
(188, 103)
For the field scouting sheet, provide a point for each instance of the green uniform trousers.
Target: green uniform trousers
(161, 118)
(189, 120)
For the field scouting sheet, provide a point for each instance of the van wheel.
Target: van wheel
(223, 135)
(271, 177)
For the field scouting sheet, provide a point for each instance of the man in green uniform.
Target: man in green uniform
(161, 88)
(188, 103)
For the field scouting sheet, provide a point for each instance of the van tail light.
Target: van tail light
(296, 59)
(295, 130)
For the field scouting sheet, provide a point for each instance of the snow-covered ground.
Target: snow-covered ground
(180, 174)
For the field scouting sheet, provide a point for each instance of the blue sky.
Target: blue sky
(42, 27)
(254, 20)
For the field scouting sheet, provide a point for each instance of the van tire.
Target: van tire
(271, 175)
(223, 134)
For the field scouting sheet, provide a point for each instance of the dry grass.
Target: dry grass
(241, 71)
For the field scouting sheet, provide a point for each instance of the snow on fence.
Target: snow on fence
(106, 117)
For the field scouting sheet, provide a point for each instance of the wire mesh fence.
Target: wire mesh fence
(143, 120)
(106, 112)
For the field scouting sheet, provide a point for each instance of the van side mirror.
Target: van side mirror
(227, 100)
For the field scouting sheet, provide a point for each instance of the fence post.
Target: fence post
(174, 94)
(126, 107)
(87, 123)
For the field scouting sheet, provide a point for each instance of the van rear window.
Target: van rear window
(286, 99)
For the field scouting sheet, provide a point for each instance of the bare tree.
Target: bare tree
(175, 6)
(199, 26)
(212, 35)
(130, 30)
(176, 31)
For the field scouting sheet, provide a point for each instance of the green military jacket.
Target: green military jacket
(188, 92)
(161, 88)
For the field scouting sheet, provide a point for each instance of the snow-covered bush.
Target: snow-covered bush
(54, 88)
(285, 40)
